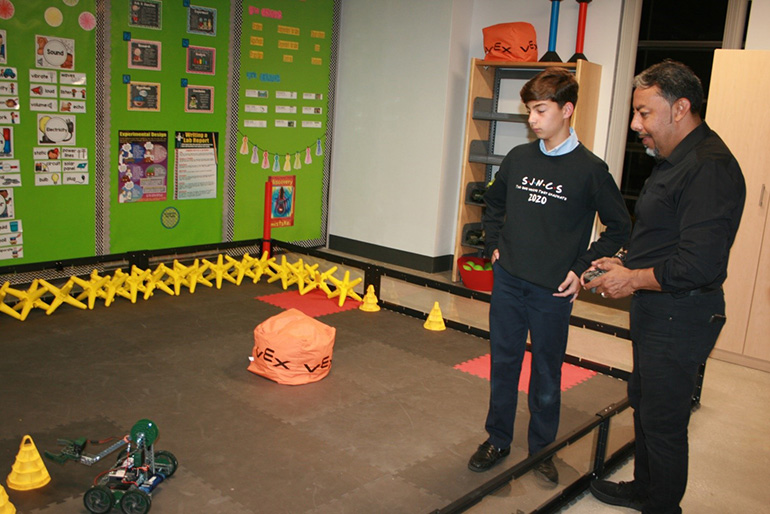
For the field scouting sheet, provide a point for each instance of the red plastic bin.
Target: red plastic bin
(477, 280)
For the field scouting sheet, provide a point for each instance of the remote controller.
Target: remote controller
(590, 275)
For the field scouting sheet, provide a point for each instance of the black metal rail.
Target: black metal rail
(574, 489)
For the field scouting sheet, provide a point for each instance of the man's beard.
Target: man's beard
(653, 152)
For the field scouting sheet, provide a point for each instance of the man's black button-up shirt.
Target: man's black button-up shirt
(688, 213)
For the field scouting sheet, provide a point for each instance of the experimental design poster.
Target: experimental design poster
(142, 166)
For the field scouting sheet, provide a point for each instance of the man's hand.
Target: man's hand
(619, 281)
(569, 287)
(495, 255)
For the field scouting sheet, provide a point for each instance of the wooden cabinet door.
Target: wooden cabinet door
(758, 334)
(740, 80)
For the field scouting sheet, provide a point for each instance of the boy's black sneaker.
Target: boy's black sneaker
(486, 457)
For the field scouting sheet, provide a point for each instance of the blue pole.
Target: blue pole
(551, 55)
(554, 25)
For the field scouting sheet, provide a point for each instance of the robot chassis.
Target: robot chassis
(136, 473)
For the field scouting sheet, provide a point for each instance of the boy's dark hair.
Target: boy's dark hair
(556, 84)
(675, 80)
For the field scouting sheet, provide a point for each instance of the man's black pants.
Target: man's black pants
(671, 336)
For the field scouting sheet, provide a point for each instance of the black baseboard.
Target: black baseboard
(391, 256)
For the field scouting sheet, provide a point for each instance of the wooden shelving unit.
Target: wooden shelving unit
(480, 132)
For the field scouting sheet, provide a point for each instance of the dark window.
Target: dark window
(684, 30)
(683, 20)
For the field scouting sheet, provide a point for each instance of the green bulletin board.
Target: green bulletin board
(155, 124)
(47, 110)
(283, 108)
(157, 73)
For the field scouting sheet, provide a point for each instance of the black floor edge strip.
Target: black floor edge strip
(519, 469)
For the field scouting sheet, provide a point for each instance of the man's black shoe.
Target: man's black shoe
(546, 471)
(623, 494)
(486, 457)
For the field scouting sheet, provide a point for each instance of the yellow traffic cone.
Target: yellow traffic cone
(435, 320)
(370, 301)
(6, 507)
(28, 472)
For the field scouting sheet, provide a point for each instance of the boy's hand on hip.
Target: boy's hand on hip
(569, 287)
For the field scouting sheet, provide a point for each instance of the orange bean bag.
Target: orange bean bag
(516, 41)
(292, 348)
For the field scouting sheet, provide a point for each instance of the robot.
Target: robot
(129, 484)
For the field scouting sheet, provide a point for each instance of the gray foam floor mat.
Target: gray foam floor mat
(390, 429)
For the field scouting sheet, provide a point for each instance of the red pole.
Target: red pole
(267, 220)
(581, 28)
(581, 31)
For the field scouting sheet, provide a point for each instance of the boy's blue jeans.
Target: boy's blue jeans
(519, 308)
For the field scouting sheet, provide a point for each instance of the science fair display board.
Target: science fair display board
(155, 124)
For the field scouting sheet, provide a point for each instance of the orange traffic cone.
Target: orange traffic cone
(6, 507)
(435, 320)
(28, 472)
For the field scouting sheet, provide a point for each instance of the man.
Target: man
(687, 215)
(538, 220)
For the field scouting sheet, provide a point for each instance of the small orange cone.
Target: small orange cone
(6, 507)
(28, 472)
(370, 301)
(435, 320)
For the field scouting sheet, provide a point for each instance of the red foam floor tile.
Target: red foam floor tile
(315, 303)
(571, 375)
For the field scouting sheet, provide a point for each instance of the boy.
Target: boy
(538, 220)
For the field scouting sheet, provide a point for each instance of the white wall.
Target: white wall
(400, 108)
(394, 79)
(757, 35)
